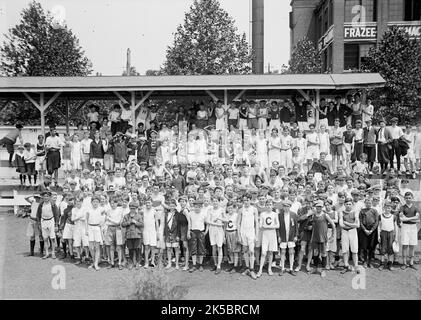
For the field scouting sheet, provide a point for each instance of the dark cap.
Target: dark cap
(133, 205)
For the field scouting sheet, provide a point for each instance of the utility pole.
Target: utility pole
(128, 62)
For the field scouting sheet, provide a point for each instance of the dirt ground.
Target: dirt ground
(33, 278)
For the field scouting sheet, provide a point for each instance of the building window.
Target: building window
(330, 13)
(351, 56)
(325, 20)
(396, 10)
(369, 8)
(320, 27)
(355, 55)
(329, 58)
(412, 10)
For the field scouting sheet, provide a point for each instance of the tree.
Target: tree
(207, 43)
(305, 58)
(398, 60)
(38, 47)
(151, 72)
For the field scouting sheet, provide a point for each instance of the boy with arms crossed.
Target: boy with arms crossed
(216, 233)
(249, 224)
(269, 223)
(197, 234)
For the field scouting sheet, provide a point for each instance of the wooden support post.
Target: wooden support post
(120, 97)
(225, 97)
(318, 104)
(215, 98)
(133, 108)
(42, 111)
(67, 115)
(238, 96)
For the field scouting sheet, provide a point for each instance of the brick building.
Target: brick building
(344, 30)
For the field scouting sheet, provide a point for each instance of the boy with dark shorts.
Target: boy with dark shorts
(197, 234)
(184, 223)
(133, 222)
(232, 237)
(387, 235)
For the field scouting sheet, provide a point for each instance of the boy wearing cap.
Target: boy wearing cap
(80, 239)
(386, 236)
(305, 220)
(409, 215)
(349, 222)
(249, 224)
(287, 235)
(48, 217)
(319, 238)
(95, 217)
(149, 231)
(33, 229)
(197, 234)
(232, 236)
(67, 226)
(313, 143)
(268, 223)
(133, 222)
(172, 234)
(114, 238)
(184, 223)
(367, 236)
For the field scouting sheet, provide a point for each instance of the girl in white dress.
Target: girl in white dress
(409, 159)
(76, 154)
(274, 147)
(262, 150)
(202, 148)
(301, 143)
(191, 149)
(220, 118)
(324, 140)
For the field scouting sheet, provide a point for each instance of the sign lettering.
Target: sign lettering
(353, 32)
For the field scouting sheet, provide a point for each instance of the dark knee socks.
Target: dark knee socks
(41, 247)
(316, 261)
(32, 246)
(324, 262)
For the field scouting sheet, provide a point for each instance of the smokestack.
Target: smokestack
(129, 62)
(257, 39)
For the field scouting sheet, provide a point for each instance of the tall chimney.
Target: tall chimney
(128, 62)
(257, 39)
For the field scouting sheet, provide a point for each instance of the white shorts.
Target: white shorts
(216, 236)
(94, 234)
(172, 245)
(149, 237)
(79, 237)
(289, 244)
(409, 234)
(68, 231)
(269, 241)
(349, 240)
(247, 238)
(40, 163)
(47, 229)
(258, 242)
(242, 124)
(67, 165)
(313, 152)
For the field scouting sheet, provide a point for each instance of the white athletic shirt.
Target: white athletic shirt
(387, 223)
(247, 219)
(149, 219)
(214, 214)
(268, 219)
(232, 221)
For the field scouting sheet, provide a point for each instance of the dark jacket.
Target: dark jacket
(66, 217)
(55, 210)
(143, 153)
(97, 150)
(293, 227)
(172, 231)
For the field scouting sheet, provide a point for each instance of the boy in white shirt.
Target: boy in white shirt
(216, 233)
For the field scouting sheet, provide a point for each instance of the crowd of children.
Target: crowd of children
(271, 184)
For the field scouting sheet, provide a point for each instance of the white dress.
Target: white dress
(201, 151)
(149, 230)
(417, 145)
(76, 155)
(262, 152)
(191, 151)
(324, 142)
(220, 123)
(274, 154)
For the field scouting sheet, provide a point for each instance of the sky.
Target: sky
(106, 28)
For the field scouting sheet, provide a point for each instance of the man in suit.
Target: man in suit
(395, 134)
(382, 139)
